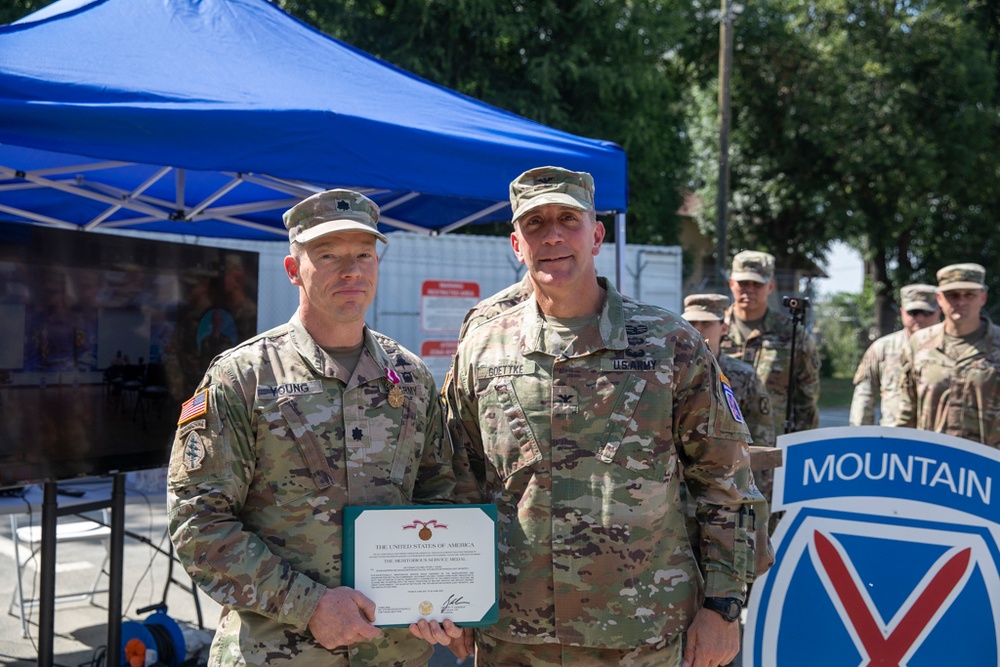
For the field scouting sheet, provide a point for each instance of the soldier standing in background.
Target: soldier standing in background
(283, 432)
(763, 338)
(706, 313)
(951, 382)
(879, 373)
(576, 405)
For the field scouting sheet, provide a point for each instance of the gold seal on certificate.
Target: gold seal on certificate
(434, 562)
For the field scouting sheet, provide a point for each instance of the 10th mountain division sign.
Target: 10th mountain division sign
(887, 554)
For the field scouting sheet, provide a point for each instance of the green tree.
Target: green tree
(870, 121)
(598, 68)
(12, 10)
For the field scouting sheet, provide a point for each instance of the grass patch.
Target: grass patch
(835, 392)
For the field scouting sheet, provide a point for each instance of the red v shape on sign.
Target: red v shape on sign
(888, 648)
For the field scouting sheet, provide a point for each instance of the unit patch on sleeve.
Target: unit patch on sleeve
(194, 451)
(734, 407)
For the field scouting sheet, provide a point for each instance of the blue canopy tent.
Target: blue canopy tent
(211, 117)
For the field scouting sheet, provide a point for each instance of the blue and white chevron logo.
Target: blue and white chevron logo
(887, 554)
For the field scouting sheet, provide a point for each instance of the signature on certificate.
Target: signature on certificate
(453, 604)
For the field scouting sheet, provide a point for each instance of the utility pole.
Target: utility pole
(726, 16)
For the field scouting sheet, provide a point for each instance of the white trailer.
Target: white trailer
(427, 283)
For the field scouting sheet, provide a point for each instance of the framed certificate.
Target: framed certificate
(434, 562)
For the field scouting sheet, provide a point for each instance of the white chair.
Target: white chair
(30, 536)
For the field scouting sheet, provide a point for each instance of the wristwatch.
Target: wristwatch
(728, 608)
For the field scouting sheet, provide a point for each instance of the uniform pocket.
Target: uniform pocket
(621, 441)
(403, 458)
(508, 439)
(300, 468)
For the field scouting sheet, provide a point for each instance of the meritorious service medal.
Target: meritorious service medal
(395, 393)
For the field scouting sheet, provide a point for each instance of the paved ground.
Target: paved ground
(81, 627)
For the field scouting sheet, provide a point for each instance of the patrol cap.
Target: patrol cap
(753, 265)
(551, 185)
(918, 297)
(705, 307)
(961, 276)
(329, 212)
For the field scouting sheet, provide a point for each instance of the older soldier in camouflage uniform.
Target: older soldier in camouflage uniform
(879, 373)
(951, 370)
(284, 431)
(493, 305)
(763, 338)
(576, 406)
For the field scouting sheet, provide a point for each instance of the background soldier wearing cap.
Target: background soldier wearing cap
(576, 405)
(284, 431)
(763, 338)
(879, 373)
(706, 313)
(951, 381)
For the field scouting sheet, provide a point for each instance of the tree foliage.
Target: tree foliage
(597, 68)
(869, 121)
(12, 10)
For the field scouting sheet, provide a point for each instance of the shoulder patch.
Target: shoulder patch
(195, 406)
(194, 451)
(734, 406)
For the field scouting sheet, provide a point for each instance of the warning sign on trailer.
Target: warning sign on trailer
(437, 355)
(444, 303)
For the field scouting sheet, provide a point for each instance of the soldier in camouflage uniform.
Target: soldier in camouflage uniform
(951, 370)
(494, 305)
(879, 373)
(706, 313)
(576, 406)
(763, 338)
(285, 430)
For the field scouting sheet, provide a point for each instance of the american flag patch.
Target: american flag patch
(195, 406)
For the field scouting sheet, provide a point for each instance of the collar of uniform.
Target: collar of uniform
(370, 366)
(986, 344)
(772, 321)
(612, 323)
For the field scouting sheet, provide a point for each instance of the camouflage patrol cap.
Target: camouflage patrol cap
(753, 265)
(329, 212)
(961, 276)
(918, 297)
(705, 307)
(551, 185)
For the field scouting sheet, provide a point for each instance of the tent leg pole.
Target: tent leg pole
(620, 252)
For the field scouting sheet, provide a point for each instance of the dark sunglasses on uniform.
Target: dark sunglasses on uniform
(920, 313)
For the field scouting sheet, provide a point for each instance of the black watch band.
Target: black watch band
(728, 608)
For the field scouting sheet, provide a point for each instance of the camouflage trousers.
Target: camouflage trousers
(491, 652)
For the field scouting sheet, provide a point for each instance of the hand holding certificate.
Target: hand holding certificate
(432, 562)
